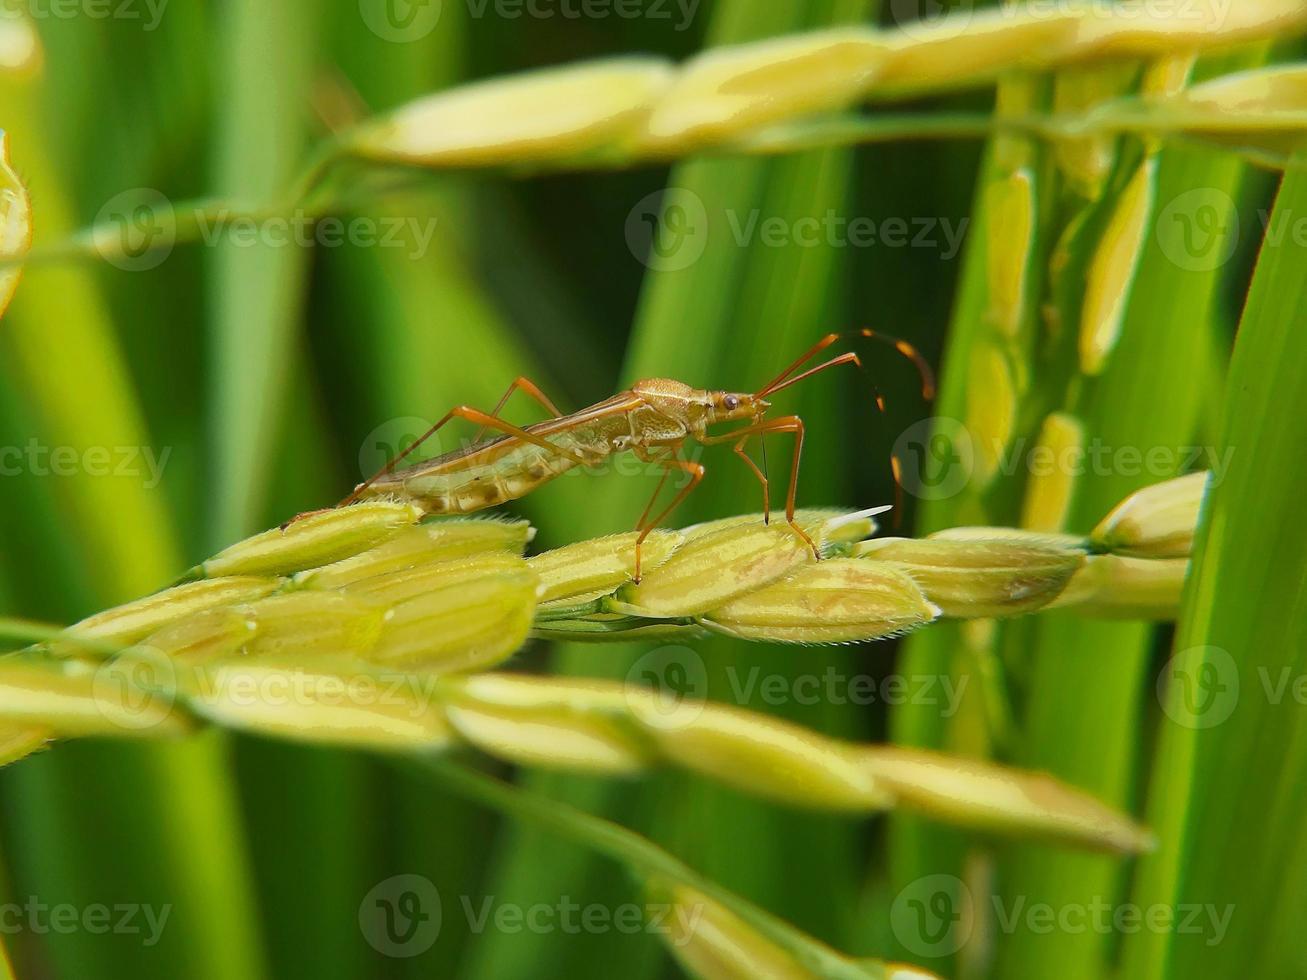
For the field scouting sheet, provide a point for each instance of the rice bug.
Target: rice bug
(652, 420)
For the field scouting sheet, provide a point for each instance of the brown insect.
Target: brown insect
(652, 420)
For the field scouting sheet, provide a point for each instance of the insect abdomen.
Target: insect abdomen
(471, 484)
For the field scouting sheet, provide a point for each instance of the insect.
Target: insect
(652, 420)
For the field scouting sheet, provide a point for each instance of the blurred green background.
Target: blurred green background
(265, 379)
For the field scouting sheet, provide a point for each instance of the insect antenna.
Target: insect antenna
(812, 352)
(927, 376)
(912, 354)
(785, 382)
(928, 389)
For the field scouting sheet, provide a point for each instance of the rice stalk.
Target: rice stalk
(758, 97)
(210, 649)
(1256, 113)
(618, 110)
(376, 582)
(602, 727)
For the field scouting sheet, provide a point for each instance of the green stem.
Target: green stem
(191, 221)
(27, 630)
(643, 858)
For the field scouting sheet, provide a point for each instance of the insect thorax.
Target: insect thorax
(651, 427)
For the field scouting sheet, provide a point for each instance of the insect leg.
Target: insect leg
(739, 450)
(528, 387)
(788, 423)
(647, 525)
(657, 490)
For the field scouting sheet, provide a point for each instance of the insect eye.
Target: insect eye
(732, 403)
